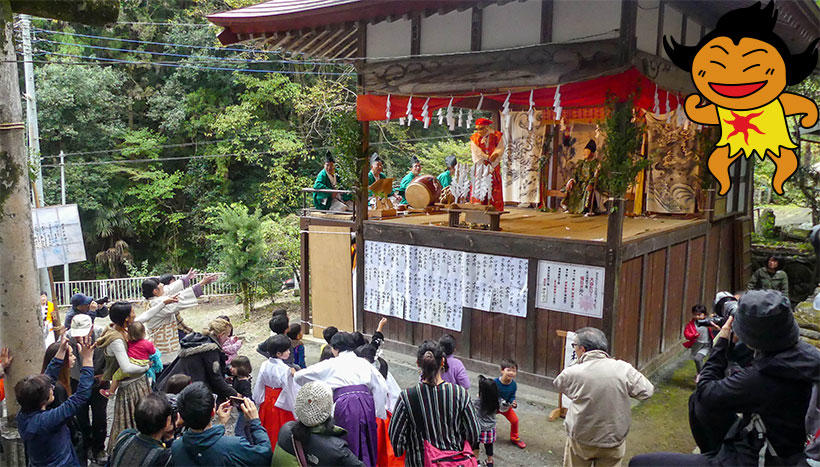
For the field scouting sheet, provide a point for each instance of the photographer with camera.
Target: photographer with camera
(697, 337)
(83, 304)
(771, 395)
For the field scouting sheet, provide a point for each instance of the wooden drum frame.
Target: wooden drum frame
(423, 191)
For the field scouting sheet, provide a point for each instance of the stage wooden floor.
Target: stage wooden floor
(560, 225)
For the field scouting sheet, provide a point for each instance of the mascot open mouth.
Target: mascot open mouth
(737, 90)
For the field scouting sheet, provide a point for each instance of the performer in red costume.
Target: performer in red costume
(487, 147)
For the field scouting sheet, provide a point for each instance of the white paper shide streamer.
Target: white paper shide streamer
(409, 113)
(531, 111)
(556, 105)
(451, 121)
(425, 115)
(387, 110)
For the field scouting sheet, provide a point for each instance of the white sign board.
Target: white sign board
(58, 237)
(571, 288)
(569, 359)
(432, 285)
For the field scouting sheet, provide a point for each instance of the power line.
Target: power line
(169, 54)
(167, 44)
(205, 156)
(199, 67)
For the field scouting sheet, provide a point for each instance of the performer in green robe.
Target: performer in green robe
(415, 170)
(446, 177)
(376, 171)
(582, 191)
(326, 180)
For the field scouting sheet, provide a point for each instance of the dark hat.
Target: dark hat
(591, 146)
(415, 160)
(764, 321)
(375, 158)
(80, 299)
(451, 161)
(329, 158)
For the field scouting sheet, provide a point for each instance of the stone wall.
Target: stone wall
(809, 320)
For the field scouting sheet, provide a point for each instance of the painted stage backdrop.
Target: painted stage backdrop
(674, 178)
(519, 168)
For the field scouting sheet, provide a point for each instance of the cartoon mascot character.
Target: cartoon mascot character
(740, 71)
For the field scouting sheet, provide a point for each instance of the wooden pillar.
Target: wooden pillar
(304, 273)
(547, 9)
(361, 216)
(532, 318)
(629, 21)
(614, 240)
(475, 29)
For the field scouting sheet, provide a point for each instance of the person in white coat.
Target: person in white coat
(600, 387)
(359, 392)
(164, 302)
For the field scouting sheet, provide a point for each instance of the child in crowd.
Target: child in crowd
(294, 333)
(486, 406)
(328, 334)
(455, 372)
(274, 388)
(278, 324)
(506, 392)
(241, 382)
(232, 344)
(697, 337)
(141, 352)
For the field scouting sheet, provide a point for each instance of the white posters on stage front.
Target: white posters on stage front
(58, 237)
(432, 285)
(569, 359)
(571, 288)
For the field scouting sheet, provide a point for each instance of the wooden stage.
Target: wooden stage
(527, 221)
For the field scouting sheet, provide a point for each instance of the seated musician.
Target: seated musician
(376, 170)
(415, 170)
(446, 177)
(326, 180)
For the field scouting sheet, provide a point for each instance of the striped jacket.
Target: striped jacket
(448, 416)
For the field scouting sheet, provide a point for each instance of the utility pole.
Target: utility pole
(66, 292)
(33, 132)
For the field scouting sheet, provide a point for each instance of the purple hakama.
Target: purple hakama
(355, 412)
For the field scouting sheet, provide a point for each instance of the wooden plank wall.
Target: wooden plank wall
(658, 289)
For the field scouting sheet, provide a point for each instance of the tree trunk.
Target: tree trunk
(246, 306)
(20, 327)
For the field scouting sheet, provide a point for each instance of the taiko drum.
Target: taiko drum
(423, 191)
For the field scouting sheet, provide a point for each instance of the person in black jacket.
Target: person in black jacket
(202, 359)
(774, 390)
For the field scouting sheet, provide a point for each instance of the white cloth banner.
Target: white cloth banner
(571, 288)
(58, 236)
(432, 285)
(520, 167)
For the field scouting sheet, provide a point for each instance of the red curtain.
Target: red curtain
(579, 100)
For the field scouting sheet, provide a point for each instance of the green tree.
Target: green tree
(621, 161)
(240, 248)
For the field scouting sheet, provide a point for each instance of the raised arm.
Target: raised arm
(705, 115)
(794, 104)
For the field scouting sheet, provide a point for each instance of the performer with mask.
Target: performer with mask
(326, 180)
(582, 189)
(486, 147)
(415, 170)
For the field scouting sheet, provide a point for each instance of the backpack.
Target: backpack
(434, 457)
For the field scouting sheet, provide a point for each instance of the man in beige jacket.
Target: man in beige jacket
(600, 387)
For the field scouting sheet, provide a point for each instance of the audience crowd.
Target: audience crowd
(174, 392)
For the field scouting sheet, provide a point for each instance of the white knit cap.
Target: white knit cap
(314, 403)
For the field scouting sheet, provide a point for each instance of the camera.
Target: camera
(102, 301)
(724, 307)
(718, 321)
